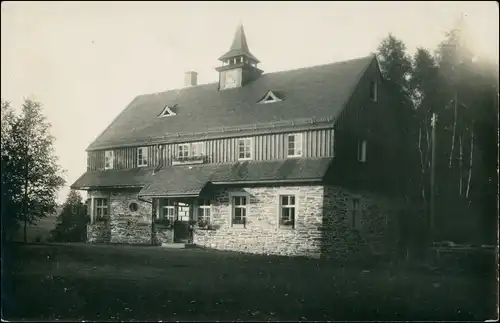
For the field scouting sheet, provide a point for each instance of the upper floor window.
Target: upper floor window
(373, 91)
(196, 149)
(245, 148)
(183, 151)
(294, 145)
(142, 156)
(190, 149)
(108, 159)
(362, 151)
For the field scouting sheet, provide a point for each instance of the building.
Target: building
(297, 162)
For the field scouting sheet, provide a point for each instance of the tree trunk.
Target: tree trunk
(25, 237)
(433, 177)
(460, 167)
(454, 130)
(26, 174)
(422, 167)
(470, 162)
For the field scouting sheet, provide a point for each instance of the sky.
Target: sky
(85, 61)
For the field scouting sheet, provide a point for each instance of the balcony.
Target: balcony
(189, 160)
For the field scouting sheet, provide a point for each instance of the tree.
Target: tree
(72, 222)
(32, 176)
(10, 170)
(396, 67)
(424, 93)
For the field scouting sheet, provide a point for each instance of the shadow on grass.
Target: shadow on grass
(75, 282)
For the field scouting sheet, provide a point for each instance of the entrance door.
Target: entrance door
(181, 226)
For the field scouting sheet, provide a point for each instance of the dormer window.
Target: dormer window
(167, 112)
(270, 97)
(142, 156)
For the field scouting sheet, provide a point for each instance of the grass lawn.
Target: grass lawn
(115, 282)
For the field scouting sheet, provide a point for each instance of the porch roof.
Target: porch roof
(179, 181)
(113, 178)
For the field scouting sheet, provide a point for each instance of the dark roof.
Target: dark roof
(190, 180)
(319, 91)
(239, 46)
(177, 181)
(292, 169)
(136, 177)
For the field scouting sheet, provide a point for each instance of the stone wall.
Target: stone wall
(163, 235)
(376, 234)
(126, 225)
(262, 234)
(321, 227)
(98, 233)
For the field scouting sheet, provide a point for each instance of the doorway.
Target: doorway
(181, 225)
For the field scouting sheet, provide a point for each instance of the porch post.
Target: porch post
(192, 206)
(154, 202)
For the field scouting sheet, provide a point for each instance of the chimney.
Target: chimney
(190, 78)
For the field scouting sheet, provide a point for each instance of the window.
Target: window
(100, 209)
(373, 91)
(204, 211)
(183, 151)
(294, 145)
(168, 210)
(196, 149)
(142, 156)
(167, 111)
(133, 207)
(362, 151)
(190, 150)
(245, 148)
(354, 214)
(287, 211)
(270, 97)
(239, 212)
(108, 159)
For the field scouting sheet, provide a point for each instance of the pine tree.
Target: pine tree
(72, 222)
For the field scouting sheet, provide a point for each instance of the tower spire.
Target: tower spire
(239, 47)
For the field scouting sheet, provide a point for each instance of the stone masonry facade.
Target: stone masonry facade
(321, 225)
(321, 228)
(376, 227)
(124, 225)
(262, 234)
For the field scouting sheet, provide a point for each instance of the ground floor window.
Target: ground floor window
(203, 212)
(287, 211)
(167, 210)
(239, 208)
(101, 209)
